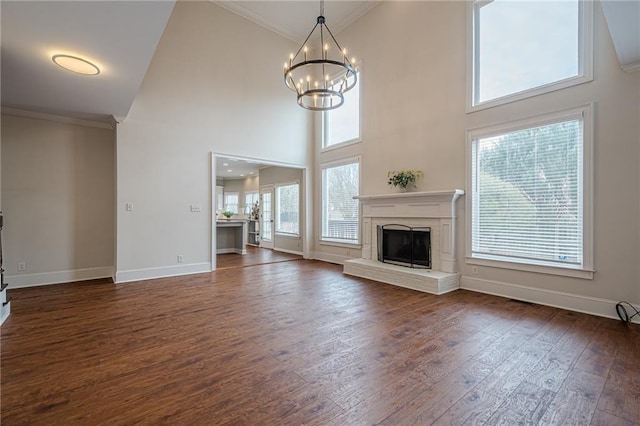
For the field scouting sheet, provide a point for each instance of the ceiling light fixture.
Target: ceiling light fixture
(75, 64)
(322, 75)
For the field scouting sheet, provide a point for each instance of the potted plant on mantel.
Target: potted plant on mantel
(403, 179)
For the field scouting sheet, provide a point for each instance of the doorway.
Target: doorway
(271, 247)
(266, 216)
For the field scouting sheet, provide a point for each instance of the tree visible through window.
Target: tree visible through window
(288, 209)
(340, 212)
(527, 203)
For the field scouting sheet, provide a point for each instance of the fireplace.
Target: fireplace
(409, 217)
(405, 245)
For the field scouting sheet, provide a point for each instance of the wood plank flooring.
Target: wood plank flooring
(298, 342)
(254, 256)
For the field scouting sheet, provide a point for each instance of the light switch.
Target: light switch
(195, 208)
(129, 207)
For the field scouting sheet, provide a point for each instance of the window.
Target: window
(340, 212)
(231, 202)
(250, 198)
(288, 209)
(530, 187)
(342, 125)
(524, 48)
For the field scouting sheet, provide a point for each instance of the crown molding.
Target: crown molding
(60, 118)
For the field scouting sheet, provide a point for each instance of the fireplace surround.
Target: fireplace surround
(433, 209)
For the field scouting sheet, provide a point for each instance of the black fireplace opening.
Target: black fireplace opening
(405, 245)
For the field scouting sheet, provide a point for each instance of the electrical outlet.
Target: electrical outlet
(474, 270)
(22, 266)
(180, 258)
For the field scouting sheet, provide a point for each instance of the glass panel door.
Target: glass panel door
(266, 216)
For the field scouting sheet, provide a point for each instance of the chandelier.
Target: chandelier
(321, 75)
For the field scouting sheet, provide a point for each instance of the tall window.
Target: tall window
(342, 125)
(530, 192)
(288, 209)
(340, 212)
(231, 202)
(524, 48)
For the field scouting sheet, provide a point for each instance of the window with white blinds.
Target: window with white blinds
(528, 192)
(340, 212)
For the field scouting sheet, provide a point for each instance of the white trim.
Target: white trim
(632, 67)
(330, 258)
(343, 243)
(230, 250)
(573, 302)
(584, 271)
(299, 253)
(60, 118)
(277, 209)
(161, 272)
(338, 163)
(58, 277)
(585, 71)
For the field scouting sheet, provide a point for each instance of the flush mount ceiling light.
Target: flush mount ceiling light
(75, 64)
(322, 74)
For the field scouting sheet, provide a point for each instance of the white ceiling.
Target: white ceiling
(295, 19)
(118, 36)
(232, 168)
(121, 37)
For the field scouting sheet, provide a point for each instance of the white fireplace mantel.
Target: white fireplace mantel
(436, 209)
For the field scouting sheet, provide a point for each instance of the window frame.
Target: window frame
(277, 210)
(333, 241)
(325, 120)
(586, 269)
(228, 194)
(585, 59)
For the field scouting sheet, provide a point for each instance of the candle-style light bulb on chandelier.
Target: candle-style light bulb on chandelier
(321, 75)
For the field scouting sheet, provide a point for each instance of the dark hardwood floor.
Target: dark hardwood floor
(297, 342)
(254, 256)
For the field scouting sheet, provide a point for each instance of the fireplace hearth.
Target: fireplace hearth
(414, 214)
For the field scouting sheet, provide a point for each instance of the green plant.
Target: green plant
(403, 178)
(227, 214)
(255, 211)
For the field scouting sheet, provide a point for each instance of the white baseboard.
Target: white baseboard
(331, 258)
(573, 302)
(299, 253)
(161, 272)
(231, 250)
(58, 277)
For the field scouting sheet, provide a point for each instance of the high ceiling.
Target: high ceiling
(121, 37)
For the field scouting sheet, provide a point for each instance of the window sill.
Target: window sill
(340, 244)
(341, 145)
(290, 236)
(586, 274)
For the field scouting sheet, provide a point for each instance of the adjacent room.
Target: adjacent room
(320, 212)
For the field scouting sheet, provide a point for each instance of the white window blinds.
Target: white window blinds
(340, 212)
(528, 194)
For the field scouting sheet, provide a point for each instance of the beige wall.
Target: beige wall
(419, 121)
(282, 175)
(202, 93)
(58, 197)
